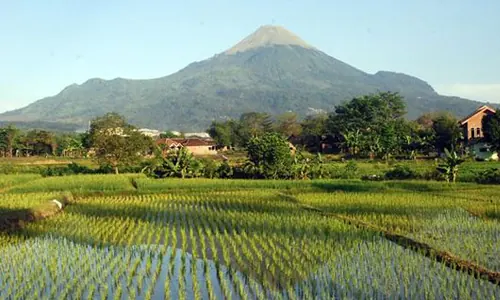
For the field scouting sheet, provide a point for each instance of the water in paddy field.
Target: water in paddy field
(57, 268)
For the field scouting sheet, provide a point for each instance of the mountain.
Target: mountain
(272, 70)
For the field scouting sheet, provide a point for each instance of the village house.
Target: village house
(194, 145)
(472, 127)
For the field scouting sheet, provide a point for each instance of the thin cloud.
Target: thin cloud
(481, 92)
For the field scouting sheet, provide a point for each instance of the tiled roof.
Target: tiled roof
(479, 110)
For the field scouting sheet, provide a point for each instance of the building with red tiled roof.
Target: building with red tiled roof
(472, 125)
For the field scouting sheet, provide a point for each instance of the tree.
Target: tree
(70, 145)
(352, 141)
(491, 129)
(221, 132)
(368, 112)
(269, 156)
(40, 142)
(389, 139)
(288, 125)
(314, 132)
(447, 132)
(167, 135)
(7, 139)
(314, 125)
(254, 124)
(117, 143)
(426, 120)
(369, 123)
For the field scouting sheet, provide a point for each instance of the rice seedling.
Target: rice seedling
(243, 239)
(442, 222)
(77, 184)
(7, 181)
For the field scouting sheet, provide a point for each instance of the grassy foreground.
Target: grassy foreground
(130, 236)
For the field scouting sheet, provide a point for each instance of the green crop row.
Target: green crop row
(128, 236)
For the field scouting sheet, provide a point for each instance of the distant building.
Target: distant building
(196, 146)
(150, 132)
(472, 127)
(202, 135)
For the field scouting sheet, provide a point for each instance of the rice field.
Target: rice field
(126, 237)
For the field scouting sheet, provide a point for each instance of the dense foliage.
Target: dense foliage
(491, 130)
(269, 156)
(369, 126)
(116, 143)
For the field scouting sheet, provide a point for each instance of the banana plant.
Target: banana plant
(352, 140)
(450, 166)
(301, 166)
(179, 163)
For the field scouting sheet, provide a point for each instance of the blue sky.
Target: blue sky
(47, 45)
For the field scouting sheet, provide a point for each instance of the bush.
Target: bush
(490, 176)
(401, 172)
(71, 169)
(210, 168)
(350, 170)
(224, 170)
(269, 157)
(433, 175)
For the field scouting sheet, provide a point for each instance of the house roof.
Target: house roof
(481, 110)
(184, 142)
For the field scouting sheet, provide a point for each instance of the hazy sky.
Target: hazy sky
(46, 45)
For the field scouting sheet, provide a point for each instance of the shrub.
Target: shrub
(433, 175)
(269, 157)
(225, 170)
(210, 168)
(350, 170)
(73, 169)
(401, 172)
(490, 176)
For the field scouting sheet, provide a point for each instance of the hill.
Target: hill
(272, 70)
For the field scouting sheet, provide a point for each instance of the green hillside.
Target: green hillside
(270, 77)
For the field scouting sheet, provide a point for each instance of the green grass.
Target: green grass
(11, 180)
(78, 184)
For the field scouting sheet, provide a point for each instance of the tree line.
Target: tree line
(17, 143)
(367, 126)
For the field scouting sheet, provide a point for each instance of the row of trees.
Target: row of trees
(371, 125)
(111, 141)
(14, 142)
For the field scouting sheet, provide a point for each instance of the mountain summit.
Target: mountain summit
(268, 35)
(272, 70)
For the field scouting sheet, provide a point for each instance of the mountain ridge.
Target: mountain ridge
(272, 71)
